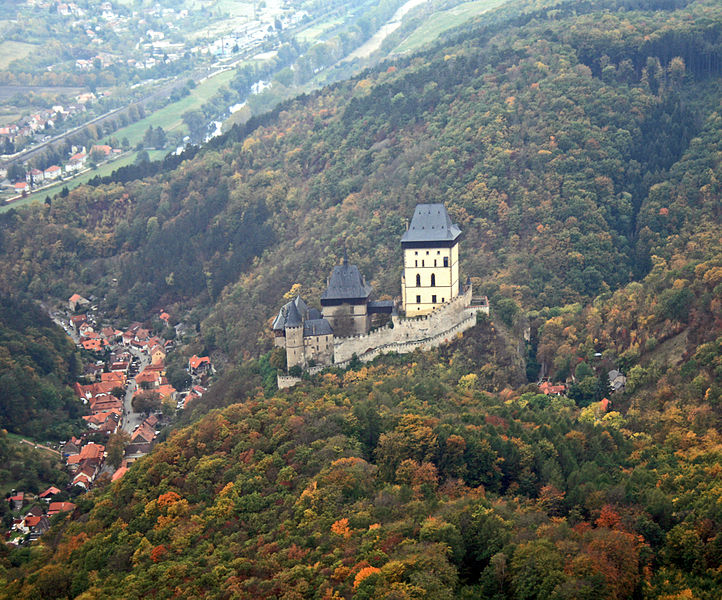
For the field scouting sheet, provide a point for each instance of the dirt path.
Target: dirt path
(40, 447)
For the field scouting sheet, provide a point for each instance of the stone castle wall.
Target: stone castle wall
(444, 337)
(401, 334)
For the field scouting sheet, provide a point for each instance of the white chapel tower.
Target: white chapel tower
(431, 260)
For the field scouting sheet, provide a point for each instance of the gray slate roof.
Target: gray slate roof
(292, 314)
(346, 282)
(431, 223)
(317, 327)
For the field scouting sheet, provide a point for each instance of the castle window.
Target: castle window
(434, 262)
(416, 253)
(443, 300)
(422, 263)
(433, 280)
(416, 263)
(438, 252)
(433, 299)
(446, 261)
(418, 299)
(427, 253)
(418, 280)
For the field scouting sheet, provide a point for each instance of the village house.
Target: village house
(149, 378)
(21, 187)
(85, 476)
(36, 526)
(92, 371)
(34, 176)
(617, 381)
(76, 301)
(48, 494)
(119, 473)
(104, 422)
(550, 389)
(110, 334)
(199, 365)
(52, 172)
(114, 377)
(58, 507)
(91, 345)
(145, 434)
(72, 447)
(101, 150)
(77, 320)
(16, 500)
(76, 162)
(157, 355)
(167, 392)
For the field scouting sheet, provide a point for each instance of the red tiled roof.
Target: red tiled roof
(32, 521)
(549, 388)
(56, 507)
(119, 473)
(51, 491)
(196, 361)
(91, 451)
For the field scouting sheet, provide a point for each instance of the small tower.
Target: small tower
(294, 337)
(431, 260)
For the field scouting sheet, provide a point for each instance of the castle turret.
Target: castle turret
(431, 260)
(294, 337)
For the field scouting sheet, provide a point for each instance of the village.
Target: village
(128, 398)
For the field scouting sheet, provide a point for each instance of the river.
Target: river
(374, 43)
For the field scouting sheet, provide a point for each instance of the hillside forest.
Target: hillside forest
(577, 144)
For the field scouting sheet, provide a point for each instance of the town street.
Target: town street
(132, 419)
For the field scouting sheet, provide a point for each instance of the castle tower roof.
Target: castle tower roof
(346, 283)
(431, 223)
(292, 314)
(293, 317)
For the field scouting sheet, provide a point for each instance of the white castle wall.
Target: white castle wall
(408, 334)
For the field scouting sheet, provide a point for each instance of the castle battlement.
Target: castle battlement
(412, 330)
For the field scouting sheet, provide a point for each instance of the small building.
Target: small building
(617, 381)
(552, 390)
(76, 301)
(199, 365)
(58, 507)
(157, 355)
(53, 172)
(16, 500)
(48, 494)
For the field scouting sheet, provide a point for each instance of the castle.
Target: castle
(434, 304)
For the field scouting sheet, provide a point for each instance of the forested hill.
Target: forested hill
(581, 155)
(408, 480)
(38, 363)
(550, 136)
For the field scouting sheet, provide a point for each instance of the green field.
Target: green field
(102, 171)
(438, 23)
(313, 33)
(169, 117)
(6, 119)
(10, 51)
